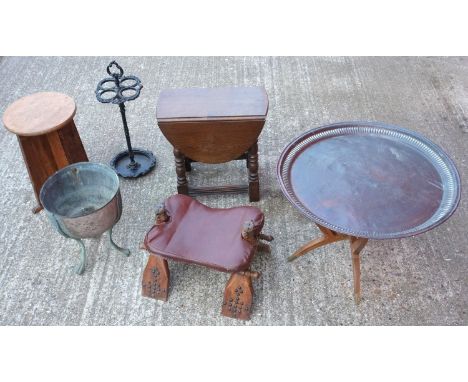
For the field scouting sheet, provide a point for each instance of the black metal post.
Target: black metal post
(127, 136)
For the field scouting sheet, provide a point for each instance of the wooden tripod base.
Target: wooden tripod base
(329, 236)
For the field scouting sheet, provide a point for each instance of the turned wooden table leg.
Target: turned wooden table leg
(182, 183)
(254, 183)
(328, 237)
(357, 244)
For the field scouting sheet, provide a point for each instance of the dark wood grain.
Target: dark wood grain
(252, 165)
(214, 126)
(156, 277)
(238, 295)
(230, 189)
(214, 103)
(182, 182)
(71, 143)
(212, 141)
(45, 154)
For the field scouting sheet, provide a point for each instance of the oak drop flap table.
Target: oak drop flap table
(214, 126)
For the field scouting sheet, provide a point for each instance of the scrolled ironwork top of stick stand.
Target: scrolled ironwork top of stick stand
(118, 89)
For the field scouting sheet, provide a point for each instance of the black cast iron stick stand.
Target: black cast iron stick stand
(118, 89)
(132, 164)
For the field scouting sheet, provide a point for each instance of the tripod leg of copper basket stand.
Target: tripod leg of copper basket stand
(79, 269)
(125, 251)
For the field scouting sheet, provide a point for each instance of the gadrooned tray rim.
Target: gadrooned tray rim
(421, 228)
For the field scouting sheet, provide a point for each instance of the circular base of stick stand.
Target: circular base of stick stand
(144, 163)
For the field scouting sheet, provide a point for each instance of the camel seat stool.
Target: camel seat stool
(224, 239)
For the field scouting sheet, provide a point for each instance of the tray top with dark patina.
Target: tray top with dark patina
(369, 179)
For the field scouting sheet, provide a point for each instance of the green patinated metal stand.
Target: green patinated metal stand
(125, 251)
(79, 269)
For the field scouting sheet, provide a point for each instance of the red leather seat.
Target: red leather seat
(205, 236)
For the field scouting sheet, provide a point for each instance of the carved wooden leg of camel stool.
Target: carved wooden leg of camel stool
(262, 236)
(264, 247)
(328, 237)
(155, 282)
(248, 233)
(238, 295)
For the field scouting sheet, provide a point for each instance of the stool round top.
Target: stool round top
(39, 113)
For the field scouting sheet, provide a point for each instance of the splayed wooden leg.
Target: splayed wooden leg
(357, 244)
(328, 237)
(37, 209)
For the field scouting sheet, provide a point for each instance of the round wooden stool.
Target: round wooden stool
(47, 135)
